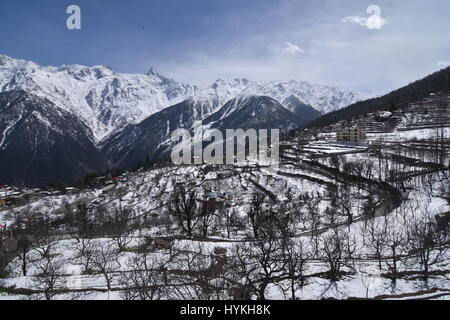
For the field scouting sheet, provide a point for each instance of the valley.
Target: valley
(337, 220)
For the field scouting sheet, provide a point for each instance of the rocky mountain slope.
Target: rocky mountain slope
(151, 138)
(108, 101)
(95, 118)
(40, 143)
(104, 100)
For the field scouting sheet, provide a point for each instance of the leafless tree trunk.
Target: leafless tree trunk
(24, 246)
(231, 220)
(296, 259)
(6, 256)
(395, 243)
(183, 206)
(83, 253)
(375, 238)
(256, 213)
(105, 261)
(206, 216)
(49, 267)
(338, 248)
(83, 220)
(426, 243)
(145, 278)
(202, 277)
(120, 232)
(261, 263)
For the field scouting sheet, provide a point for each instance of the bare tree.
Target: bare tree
(395, 244)
(375, 238)
(315, 241)
(231, 220)
(296, 259)
(6, 256)
(29, 231)
(344, 203)
(83, 220)
(145, 279)
(206, 215)
(24, 245)
(105, 261)
(248, 269)
(335, 161)
(427, 244)
(312, 218)
(256, 213)
(280, 219)
(337, 248)
(83, 253)
(330, 212)
(261, 263)
(183, 206)
(49, 270)
(369, 207)
(121, 234)
(202, 278)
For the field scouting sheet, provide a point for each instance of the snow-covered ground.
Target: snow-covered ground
(324, 187)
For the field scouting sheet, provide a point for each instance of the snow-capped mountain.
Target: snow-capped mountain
(127, 147)
(99, 118)
(322, 98)
(219, 93)
(290, 94)
(41, 143)
(107, 101)
(104, 100)
(254, 112)
(151, 138)
(257, 112)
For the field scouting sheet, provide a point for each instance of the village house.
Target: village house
(71, 190)
(16, 199)
(215, 196)
(223, 174)
(351, 135)
(108, 188)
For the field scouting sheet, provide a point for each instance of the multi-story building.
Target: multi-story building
(351, 135)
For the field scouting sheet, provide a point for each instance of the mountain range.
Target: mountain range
(60, 123)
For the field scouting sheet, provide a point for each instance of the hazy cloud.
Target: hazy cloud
(260, 40)
(373, 22)
(293, 49)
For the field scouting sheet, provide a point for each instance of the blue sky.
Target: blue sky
(198, 41)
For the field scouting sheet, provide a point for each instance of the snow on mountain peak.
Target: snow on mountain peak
(322, 98)
(107, 101)
(152, 72)
(104, 100)
(229, 81)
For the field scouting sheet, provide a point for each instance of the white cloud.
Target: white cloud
(373, 22)
(292, 49)
(335, 52)
(443, 64)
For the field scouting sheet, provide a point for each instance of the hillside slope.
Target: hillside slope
(40, 143)
(438, 82)
(151, 138)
